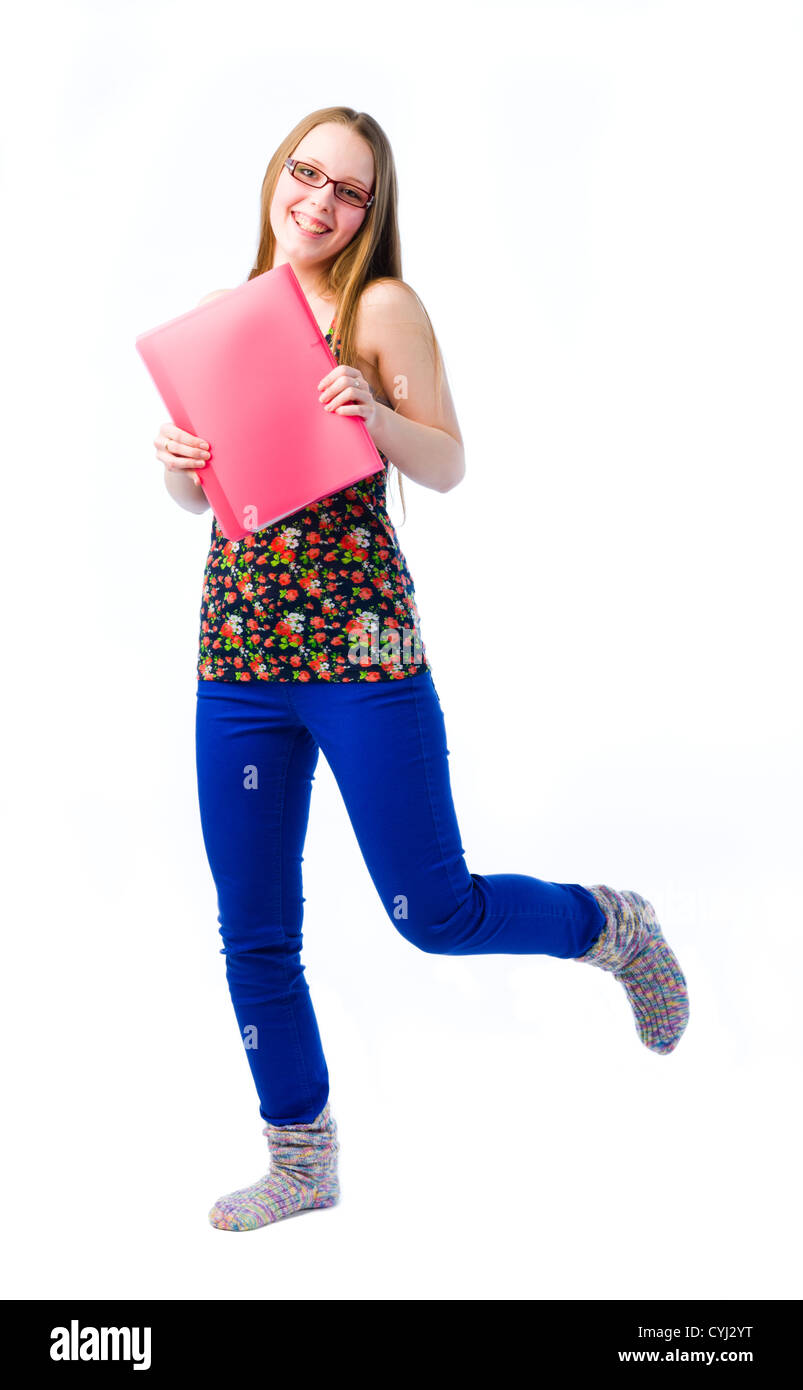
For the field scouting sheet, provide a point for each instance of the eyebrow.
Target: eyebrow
(312, 160)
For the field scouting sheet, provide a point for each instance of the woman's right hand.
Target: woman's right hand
(179, 450)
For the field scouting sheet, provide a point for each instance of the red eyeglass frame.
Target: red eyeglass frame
(290, 164)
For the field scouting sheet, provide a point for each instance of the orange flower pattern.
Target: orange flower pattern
(324, 594)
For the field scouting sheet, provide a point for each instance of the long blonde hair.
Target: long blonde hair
(373, 254)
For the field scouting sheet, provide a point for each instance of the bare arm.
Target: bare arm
(419, 434)
(189, 495)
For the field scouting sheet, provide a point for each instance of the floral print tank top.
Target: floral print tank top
(322, 595)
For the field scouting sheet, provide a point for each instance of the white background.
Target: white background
(600, 208)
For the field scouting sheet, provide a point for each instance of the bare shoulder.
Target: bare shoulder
(390, 314)
(213, 295)
(390, 301)
(395, 334)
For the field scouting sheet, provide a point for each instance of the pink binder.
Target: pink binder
(241, 371)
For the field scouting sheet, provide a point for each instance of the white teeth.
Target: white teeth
(309, 226)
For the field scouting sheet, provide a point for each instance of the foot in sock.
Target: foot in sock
(302, 1175)
(632, 947)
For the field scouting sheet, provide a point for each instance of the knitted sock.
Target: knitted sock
(631, 945)
(302, 1175)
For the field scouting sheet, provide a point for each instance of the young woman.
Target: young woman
(310, 640)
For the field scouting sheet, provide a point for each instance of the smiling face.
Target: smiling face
(298, 209)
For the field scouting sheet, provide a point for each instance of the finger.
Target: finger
(173, 447)
(351, 410)
(171, 431)
(350, 395)
(341, 381)
(173, 461)
(332, 376)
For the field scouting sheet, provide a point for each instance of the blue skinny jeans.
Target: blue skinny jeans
(257, 746)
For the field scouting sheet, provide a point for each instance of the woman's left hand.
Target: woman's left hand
(344, 391)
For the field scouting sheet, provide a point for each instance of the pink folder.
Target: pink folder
(241, 371)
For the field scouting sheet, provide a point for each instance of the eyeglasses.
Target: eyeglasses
(346, 192)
